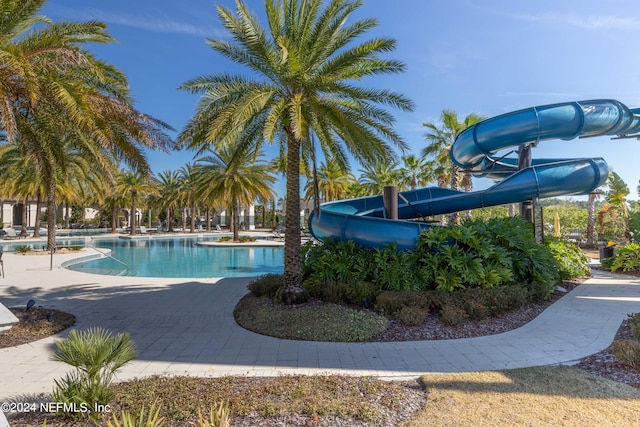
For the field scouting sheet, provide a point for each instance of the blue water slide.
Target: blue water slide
(363, 220)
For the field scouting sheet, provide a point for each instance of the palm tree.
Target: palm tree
(303, 64)
(415, 171)
(379, 174)
(135, 184)
(617, 197)
(188, 187)
(168, 184)
(441, 138)
(236, 175)
(591, 216)
(55, 94)
(333, 182)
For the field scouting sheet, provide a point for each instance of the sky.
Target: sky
(487, 58)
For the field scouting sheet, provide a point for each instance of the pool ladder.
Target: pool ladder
(126, 267)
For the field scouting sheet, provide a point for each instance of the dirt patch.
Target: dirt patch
(34, 324)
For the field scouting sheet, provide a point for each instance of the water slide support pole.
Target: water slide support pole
(390, 200)
(524, 161)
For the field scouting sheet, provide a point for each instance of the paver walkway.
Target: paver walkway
(187, 327)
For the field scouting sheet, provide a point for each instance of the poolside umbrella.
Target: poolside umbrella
(556, 225)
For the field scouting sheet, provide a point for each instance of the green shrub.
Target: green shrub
(395, 270)
(392, 302)
(634, 321)
(71, 247)
(499, 252)
(245, 239)
(627, 352)
(339, 292)
(453, 316)
(627, 258)
(96, 354)
(572, 262)
(337, 261)
(225, 239)
(23, 249)
(267, 285)
(412, 315)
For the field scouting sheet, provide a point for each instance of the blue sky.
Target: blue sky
(488, 58)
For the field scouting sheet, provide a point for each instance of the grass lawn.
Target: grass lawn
(541, 396)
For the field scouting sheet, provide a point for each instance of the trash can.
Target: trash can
(607, 251)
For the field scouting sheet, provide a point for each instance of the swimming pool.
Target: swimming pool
(180, 257)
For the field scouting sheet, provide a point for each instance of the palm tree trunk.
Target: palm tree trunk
(25, 207)
(170, 220)
(36, 227)
(114, 218)
(591, 219)
(132, 216)
(193, 217)
(51, 216)
(67, 217)
(235, 221)
(292, 293)
(454, 217)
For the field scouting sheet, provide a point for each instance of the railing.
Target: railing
(126, 267)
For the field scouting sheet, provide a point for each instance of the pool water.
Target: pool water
(181, 257)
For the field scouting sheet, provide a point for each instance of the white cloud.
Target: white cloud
(160, 24)
(592, 22)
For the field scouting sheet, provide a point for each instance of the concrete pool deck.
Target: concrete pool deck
(186, 327)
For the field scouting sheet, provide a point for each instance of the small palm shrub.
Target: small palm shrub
(23, 249)
(97, 355)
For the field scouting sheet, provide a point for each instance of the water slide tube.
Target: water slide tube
(363, 220)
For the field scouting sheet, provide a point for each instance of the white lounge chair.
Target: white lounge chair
(11, 234)
(218, 228)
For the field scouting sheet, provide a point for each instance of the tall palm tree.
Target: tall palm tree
(168, 184)
(591, 216)
(55, 93)
(616, 195)
(135, 184)
(441, 137)
(237, 175)
(333, 182)
(188, 191)
(379, 174)
(415, 172)
(303, 63)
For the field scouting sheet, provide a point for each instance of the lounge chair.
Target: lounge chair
(218, 228)
(143, 229)
(11, 234)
